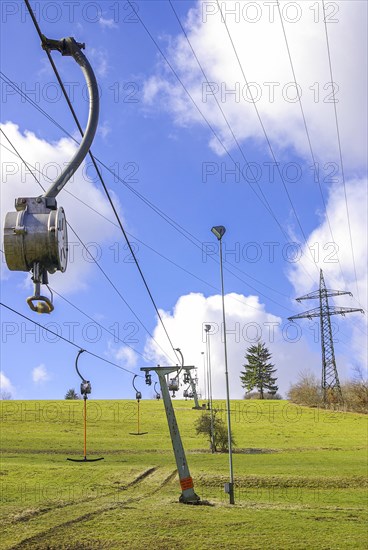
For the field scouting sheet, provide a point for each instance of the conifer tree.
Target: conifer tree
(259, 370)
(71, 394)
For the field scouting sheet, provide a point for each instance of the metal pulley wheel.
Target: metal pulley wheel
(138, 396)
(35, 234)
(85, 388)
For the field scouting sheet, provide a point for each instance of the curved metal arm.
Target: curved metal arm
(182, 360)
(135, 376)
(68, 46)
(158, 395)
(76, 364)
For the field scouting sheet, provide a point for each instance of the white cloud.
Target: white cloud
(107, 23)
(99, 62)
(340, 275)
(40, 374)
(262, 50)
(246, 319)
(329, 252)
(124, 354)
(104, 129)
(51, 158)
(5, 385)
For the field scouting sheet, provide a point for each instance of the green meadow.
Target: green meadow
(300, 476)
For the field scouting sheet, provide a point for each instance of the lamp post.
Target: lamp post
(219, 232)
(207, 329)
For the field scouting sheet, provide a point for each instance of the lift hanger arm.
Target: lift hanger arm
(69, 47)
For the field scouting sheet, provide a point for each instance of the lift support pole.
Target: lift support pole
(191, 381)
(194, 389)
(188, 496)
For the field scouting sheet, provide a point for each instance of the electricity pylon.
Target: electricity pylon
(330, 379)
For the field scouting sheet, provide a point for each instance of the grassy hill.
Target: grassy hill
(300, 478)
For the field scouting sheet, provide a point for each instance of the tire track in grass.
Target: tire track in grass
(42, 535)
(34, 541)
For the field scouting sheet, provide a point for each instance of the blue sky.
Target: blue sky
(181, 158)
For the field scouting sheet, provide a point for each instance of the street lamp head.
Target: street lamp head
(218, 231)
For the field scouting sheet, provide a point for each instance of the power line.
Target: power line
(92, 319)
(264, 131)
(215, 134)
(100, 176)
(340, 150)
(90, 255)
(306, 129)
(66, 339)
(223, 146)
(116, 337)
(267, 204)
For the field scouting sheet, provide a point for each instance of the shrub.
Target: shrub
(257, 395)
(220, 436)
(355, 395)
(306, 391)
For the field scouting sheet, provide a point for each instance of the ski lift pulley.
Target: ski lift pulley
(35, 235)
(85, 388)
(173, 385)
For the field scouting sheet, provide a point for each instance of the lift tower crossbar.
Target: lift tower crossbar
(188, 496)
(330, 379)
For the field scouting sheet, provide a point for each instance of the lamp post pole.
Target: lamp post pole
(219, 232)
(209, 382)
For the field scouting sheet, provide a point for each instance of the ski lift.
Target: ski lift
(138, 397)
(85, 389)
(35, 235)
(158, 395)
(173, 385)
(186, 378)
(148, 378)
(188, 394)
